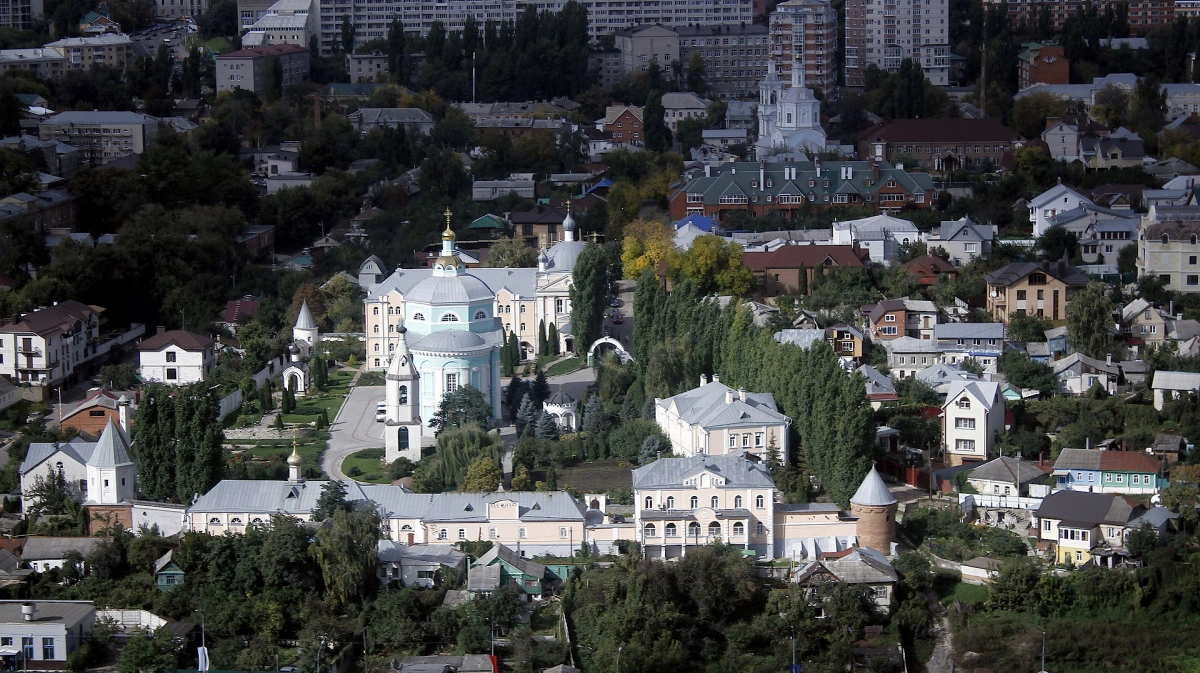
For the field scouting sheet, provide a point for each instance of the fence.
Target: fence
(999, 501)
(232, 401)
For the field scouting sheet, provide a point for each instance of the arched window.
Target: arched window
(235, 521)
(403, 394)
(714, 529)
(739, 529)
(649, 502)
(760, 502)
(964, 403)
(376, 329)
(693, 529)
(670, 530)
(1166, 239)
(737, 501)
(695, 502)
(508, 309)
(481, 315)
(419, 316)
(58, 466)
(670, 502)
(715, 502)
(215, 521)
(651, 531)
(391, 310)
(402, 441)
(376, 310)
(449, 317)
(391, 328)
(376, 348)
(391, 347)
(257, 521)
(406, 527)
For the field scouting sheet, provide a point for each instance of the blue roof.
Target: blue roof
(698, 221)
(603, 184)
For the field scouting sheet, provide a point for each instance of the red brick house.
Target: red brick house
(624, 124)
(778, 271)
(940, 144)
(1042, 64)
(927, 268)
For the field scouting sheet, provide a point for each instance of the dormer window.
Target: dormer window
(419, 316)
(754, 183)
(770, 182)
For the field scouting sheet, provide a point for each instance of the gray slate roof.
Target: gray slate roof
(56, 548)
(968, 330)
(1086, 509)
(390, 551)
(503, 553)
(522, 281)
(861, 566)
(706, 406)
(877, 383)
(672, 472)
(1009, 470)
(872, 492)
(112, 449)
(1018, 270)
(68, 613)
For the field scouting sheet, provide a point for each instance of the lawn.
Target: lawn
(567, 366)
(366, 466)
(339, 381)
(949, 590)
(309, 447)
(370, 379)
(330, 402)
(596, 477)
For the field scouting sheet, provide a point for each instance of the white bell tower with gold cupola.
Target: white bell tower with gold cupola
(402, 399)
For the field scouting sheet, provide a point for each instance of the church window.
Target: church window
(391, 328)
(737, 502)
(451, 382)
(376, 310)
(739, 529)
(376, 329)
(789, 118)
(715, 502)
(391, 347)
(481, 315)
(403, 394)
(214, 521)
(376, 348)
(402, 436)
(559, 305)
(759, 502)
(449, 317)
(522, 327)
(235, 521)
(522, 308)
(418, 316)
(695, 502)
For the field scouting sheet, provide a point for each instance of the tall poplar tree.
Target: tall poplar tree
(589, 287)
(154, 444)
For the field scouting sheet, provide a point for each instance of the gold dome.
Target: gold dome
(448, 234)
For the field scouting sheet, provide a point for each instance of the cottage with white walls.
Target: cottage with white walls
(176, 357)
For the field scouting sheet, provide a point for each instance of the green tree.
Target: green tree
(198, 438)
(147, 651)
(345, 553)
(654, 124)
(154, 443)
(1023, 372)
(540, 390)
(347, 35)
(510, 252)
(464, 406)
(332, 499)
(713, 265)
(1090, 321)
(697, 77)
(1056, 243)
(483, 476)
(1142, 540)
(589, 287)
(545, 427)
(457, 449)
(1028, 328)
(526, 414)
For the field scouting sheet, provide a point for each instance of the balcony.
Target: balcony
(29, 350)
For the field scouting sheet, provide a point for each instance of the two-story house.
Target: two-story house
(624, 123)
(176, 357)
(688, 502)
(1044, 207)
(1143, 323)
(972, 419)
(1077, 373)
(982, 342)
(1094, 471)
(861, 566)
(1078, 523)
(1169, 248)
(963, 240)
(510, 569)
(417, 565)
(895, 318)
(715, 419)
(907, 355)
(48, 346)
(1033, 288)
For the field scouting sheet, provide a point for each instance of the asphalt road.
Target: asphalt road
(354, 429)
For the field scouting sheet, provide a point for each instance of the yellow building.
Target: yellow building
(1043, 289)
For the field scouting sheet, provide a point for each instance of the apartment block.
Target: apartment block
(371, 19)
(642, 45)
(20, 14)
(804, 34)
(178, 9)
(735, 57)
(285, 22)
(84, 52)
(1143, 15)
(45, 63)
(101, 136)
(248, 68)
(885, 32)
(44, 347)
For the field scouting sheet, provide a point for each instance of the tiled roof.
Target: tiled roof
(1018, 270)
(941, 131)
(188, 341)
(795, 256)
(931, 264)
(1107, 461)
(53, 319)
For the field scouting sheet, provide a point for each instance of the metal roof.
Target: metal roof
(708, 407)
(738, 471)
(68, 613)
(872, 492)
(112, 449)
(56, 548)
(967, 330)
(1107, 461)
(450, 341)
(1089, 509)
(305, 318)
(1010, 470)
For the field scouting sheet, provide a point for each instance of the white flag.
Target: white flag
(202, 658)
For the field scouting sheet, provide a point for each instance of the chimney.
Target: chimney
(1109, 359)
(729, 396)
(27, 611)
(162, 329)
(874, 170)
(742, 394)
(1041, 458)
(716, 378)
(817, 165)
(123, 413)
(703, 380)
(707, 170)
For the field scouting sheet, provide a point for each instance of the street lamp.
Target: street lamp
(202, 643)
(619, 659)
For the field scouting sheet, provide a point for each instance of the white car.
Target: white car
(381, 412)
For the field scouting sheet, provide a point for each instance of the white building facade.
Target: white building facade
(972, 418)
(176, 357)
(717, 420)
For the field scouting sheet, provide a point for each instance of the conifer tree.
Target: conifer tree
(526, 415)
(551, 479)
(541, 388)
(552, 339)
(546, 428)
(154, 444)
(542, 342)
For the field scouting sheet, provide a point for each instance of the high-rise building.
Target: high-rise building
(1143, 15)
(20, 14)
(804, 34)
(372, 19)
(735, 57)
(885, 32)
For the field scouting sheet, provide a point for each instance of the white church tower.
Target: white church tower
(402, 397)
(111, 473)
(789, 119)
(305, 331)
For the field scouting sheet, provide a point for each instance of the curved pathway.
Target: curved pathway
(354, 429)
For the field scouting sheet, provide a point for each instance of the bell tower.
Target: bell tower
(402, 397)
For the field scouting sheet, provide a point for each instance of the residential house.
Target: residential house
(1080, 525)
(9, 394)
(1042, 64)
(724, 138)
(962, 240)
(927, 269)
(1036, 288)
(716, 420)
(101, 136)
(908, 356)
(167, 573)
(883, 236)
(972, 420)
(1006, 476)
(240, 311)
(49, 631)
(488, 227)
(50, 211)
(698, 500)
(49, 64)
(1102, 240)
(43, 554)
(641, 45)
(1170, 448)
(880, 387)
(623, 123)
(513, 570)
(895, 318)
(1045, 206)
(1143, 323)
(96, 410)
(740, 115)
(1096, 471)
(941, 144)
(414, 121)
(682, 105)
(418, 565)
(942, 376)
(48, 346)
(1170, 249)
(778, 271)
(489, 190)
(540, 226)
(367, 67)
(251, 68)
(982, 342)
(848, 344)
(789, 189)
(1120, 149)
(58, 158)
(176, 357)
(85, 53)
(860, 566)
(1077, 373)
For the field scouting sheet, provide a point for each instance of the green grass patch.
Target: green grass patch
(567, 366)
(952, 591)
(309, 447)
(339, 381)
(366, 466)
(219, 45)
(597, 477)
(331, 403)
(298, 419)
(370, 379)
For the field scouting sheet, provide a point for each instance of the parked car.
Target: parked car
(613, 301)
(381, 412)
(617, 318)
